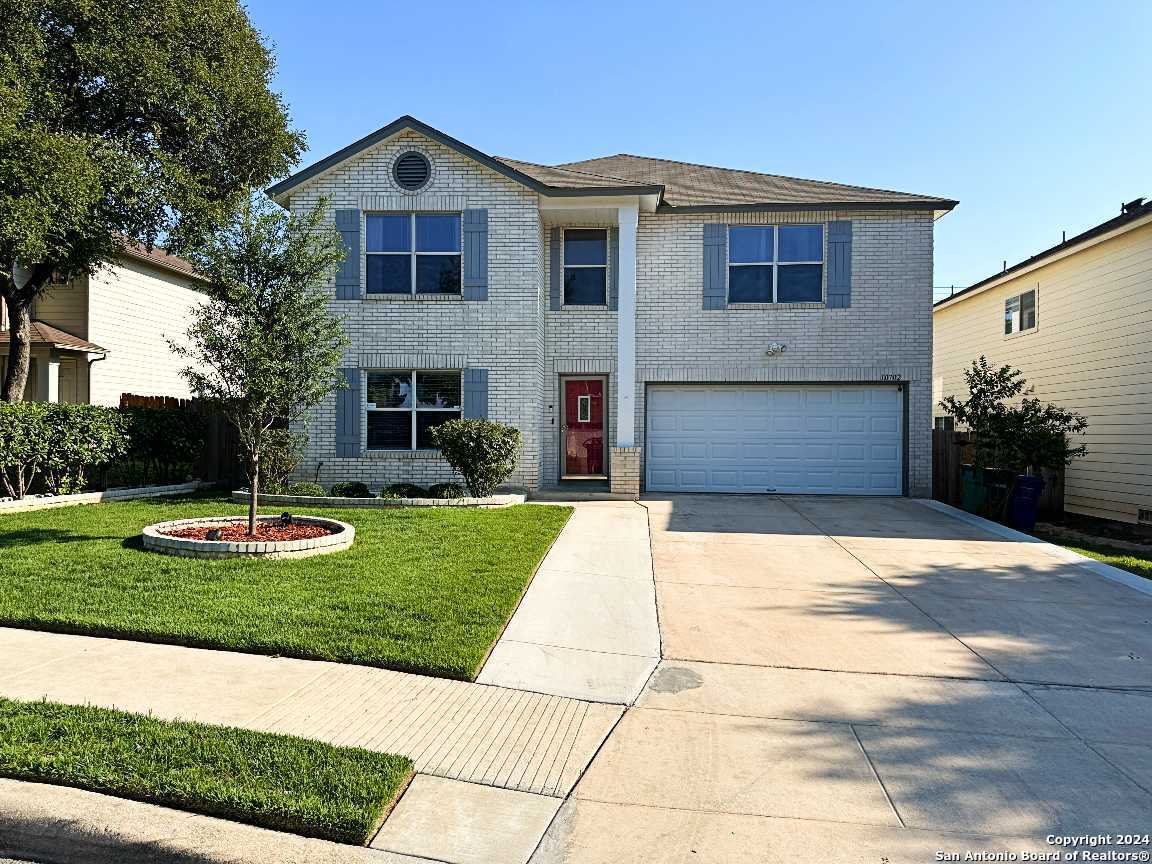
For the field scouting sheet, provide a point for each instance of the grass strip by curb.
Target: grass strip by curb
(273, 781)
(1139, 563)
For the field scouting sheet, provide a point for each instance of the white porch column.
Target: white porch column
(48, 376)
(627, 219)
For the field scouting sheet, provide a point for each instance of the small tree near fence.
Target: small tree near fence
(264, 349)
(1024, 436)
(483, 451)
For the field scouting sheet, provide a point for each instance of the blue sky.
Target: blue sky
(1034, 115)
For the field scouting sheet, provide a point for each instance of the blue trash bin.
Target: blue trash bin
(1026, 501)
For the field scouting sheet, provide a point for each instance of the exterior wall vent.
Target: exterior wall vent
(411, 170)
(1144, 515)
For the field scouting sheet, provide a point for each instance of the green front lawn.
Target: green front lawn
(275, 781)
(424, 590)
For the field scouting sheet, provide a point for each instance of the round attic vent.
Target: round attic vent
(411, 170)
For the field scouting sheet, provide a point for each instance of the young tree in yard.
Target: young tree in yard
(264, 349)
(124, 120)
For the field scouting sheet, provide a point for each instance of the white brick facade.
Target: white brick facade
(886, 334)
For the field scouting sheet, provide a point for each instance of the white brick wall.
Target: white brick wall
(503, 334)
(526, 347)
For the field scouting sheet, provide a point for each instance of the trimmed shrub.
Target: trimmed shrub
(313, 490)
(408, 490)
(61, 442)
(280, 457)
(483, 451)
(23, 444)
(389, 495)
(350, 489)
(447, 490)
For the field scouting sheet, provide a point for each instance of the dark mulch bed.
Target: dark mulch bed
(265, 532)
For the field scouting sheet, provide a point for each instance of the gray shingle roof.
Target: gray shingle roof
(690, 185)
(561, 177)
(680, 185)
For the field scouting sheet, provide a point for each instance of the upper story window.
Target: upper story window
(585, 267)
(413, 253)
(1020, 313)
(404, 406)
(775, 263)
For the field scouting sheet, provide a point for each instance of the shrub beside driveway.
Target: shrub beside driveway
(424, 590)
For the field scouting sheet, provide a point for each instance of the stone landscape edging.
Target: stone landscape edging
(490, 501)
(44, 502)
(157, 541)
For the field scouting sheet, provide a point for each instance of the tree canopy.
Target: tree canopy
(147, 120)
(264, 348)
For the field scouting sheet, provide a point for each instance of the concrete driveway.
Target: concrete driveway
(868, 680)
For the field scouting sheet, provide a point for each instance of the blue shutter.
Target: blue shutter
(839, 264)
(475, 282)
(348, 276)
(348, 416)
(715, 266)
(614, 269)
(476, 393)
(555, 271)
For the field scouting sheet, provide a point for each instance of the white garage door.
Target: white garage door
(844, 439)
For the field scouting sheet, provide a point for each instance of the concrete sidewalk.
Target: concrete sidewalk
(491, 735)
(587, 627)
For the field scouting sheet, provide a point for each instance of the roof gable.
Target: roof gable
(509, 168)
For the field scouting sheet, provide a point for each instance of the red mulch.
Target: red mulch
(238, 533)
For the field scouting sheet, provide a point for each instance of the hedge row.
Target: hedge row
(62, 445)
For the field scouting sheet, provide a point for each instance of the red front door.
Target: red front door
(583, 427)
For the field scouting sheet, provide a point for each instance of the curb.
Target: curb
(1098, 568)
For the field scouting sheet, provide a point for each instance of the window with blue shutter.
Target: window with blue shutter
(476, 393)
(475, 254)
(715, 271)
(348, 276)
(348, 416)
(839, 264)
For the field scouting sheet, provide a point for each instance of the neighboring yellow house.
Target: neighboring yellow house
(97, 337)
(1077, 321)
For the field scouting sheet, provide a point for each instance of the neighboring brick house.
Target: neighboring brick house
(644, 323)
(99, 336)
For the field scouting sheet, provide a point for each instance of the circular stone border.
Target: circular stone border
(166, 544)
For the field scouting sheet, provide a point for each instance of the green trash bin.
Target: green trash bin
(973, 490)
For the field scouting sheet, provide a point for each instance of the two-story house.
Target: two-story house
(99, 336)
(1075, 319)
(644, 323)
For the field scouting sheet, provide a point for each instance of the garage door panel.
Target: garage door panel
(835, 439)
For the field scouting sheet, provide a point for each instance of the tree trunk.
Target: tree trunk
(253, 489)
(19, 351)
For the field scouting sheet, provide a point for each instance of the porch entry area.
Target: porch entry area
(583, 428)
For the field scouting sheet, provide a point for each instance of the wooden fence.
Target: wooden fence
(951, 449)
(220, 462)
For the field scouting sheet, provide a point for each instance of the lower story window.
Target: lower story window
(404, 406)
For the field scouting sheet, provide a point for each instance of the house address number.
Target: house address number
(889, 377)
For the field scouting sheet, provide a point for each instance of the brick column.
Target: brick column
(626, 471)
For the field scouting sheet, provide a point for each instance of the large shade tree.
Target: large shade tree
(127, 119)
(264, 348)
